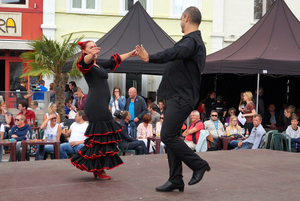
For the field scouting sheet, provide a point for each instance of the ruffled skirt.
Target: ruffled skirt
(100, 151)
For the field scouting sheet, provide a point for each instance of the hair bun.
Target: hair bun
(80, 43)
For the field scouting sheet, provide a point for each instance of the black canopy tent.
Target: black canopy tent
(135, 28)
(271, 46)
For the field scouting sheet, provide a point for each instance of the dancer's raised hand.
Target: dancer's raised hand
(143, 54)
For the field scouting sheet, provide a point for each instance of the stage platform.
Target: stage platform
(235, 175)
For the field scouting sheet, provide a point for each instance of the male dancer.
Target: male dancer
(180, 86)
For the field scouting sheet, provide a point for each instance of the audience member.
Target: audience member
(231, 111)
(256, 137)
(19, 132)
(242, 102)
(34, 105)
(293, 131)
(288, 114)
(5, 119)
(39, 95)
(233, 127)
(144, 130)
(137, 107)
(215, 127)
(128, 142)
(68, 93)
(219, 107)
(284, 106)
(150, 100)
(81, 97)
(261, 104)
(161, 105)
(154, 115)
(52, 109)
(21, 91)
(52, 130)
(272, 118)
(209, 102)
(248, 111)
(192, 133)
(76, 134)
(72, 85)
(52, 92)
(159, 125)
(201, 109)
(29, 115)
(68, 104)
(117, 102)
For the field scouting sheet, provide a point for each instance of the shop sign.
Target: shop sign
(10, 24)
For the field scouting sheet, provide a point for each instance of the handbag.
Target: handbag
(117, 113)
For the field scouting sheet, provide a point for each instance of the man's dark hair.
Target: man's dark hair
(81, 113)
(194, 14)
(76, 89)
(294, 117)
(67, 100)
(73, 83)
(23, 80)
(24, 103)
(213, 111)
(41, 82)
(124, 115)
(34, 102)
(153, 106)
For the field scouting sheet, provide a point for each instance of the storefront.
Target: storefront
(20, 21)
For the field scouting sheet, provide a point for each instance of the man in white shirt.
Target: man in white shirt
(76, 133)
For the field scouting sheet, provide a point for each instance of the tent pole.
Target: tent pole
(257, 92)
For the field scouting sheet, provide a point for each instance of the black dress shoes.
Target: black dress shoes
(198, 175)
(169, 186)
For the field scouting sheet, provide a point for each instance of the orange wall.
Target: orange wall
(31, 20)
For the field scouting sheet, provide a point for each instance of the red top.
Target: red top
(199, 126)
(80, 102)
(247, 110)
(29, 115)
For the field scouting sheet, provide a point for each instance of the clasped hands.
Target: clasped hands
(141, 52)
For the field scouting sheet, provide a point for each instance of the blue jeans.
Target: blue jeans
(42, 149)
(234, 143)
(245, 145)
(132, 129)
(66, 149)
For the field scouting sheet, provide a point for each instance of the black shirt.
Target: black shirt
(220, 108)
(182, 75)
(20, 96)
(209, 104)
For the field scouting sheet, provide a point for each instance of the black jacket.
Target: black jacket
(288, 122)
(279, 121)
(124, 135)
(140, 108)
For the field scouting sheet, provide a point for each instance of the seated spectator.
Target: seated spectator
(128, 142)
(68, 104)
(144, 130)
(19, 132)
(161, 105)
(293, 131)
(52, 92)
(220, 107)
(159, 125)
(255, 139)
(288, 114)
(34, 105)
(52, 109)
(117, 102)
(76, 133)
(272, 118)
(81, 97)
(215, 127)
(5, 119)
(231, 111)
(192, 133)
(52, 130)
(154, 115)
(29, 115)
(233, 127)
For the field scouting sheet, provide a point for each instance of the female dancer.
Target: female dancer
(100, 151)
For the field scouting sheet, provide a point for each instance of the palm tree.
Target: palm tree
(49, 58)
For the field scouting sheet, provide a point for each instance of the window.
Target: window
(126, 5)
(261, 7)
(14, 3)
(83, 5)
(178, 6)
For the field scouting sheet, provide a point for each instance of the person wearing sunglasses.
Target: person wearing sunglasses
(215, 127)
(52, 130)
(20, 131)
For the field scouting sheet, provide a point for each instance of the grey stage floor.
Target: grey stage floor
(235, 175)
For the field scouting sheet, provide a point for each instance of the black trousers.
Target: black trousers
(176, 112)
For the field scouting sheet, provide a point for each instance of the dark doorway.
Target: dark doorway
(2, 75)
(134, 80)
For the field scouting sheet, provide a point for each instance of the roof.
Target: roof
(271, 46)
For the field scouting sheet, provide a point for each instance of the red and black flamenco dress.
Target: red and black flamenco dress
(100, 151)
